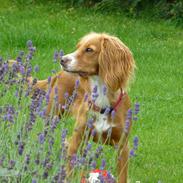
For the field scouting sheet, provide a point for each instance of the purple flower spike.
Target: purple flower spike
(1, 59)
(93, 133)
(132, 153)
(137, 108)
(34, 181)
(11, 164)
(103, 164)
(27, 159)
(49, 79)
(135, 142)
(22, 69)
(21, 53)
(20, 148)
(93, 164)
(61, 53)
(19, 59)
(107, 111)
(55, 56)
(113, 113)
(66, 95)
(56, 91)
(104, 89)
(41, 138)
(95, 89)
(64, 134)
(127, 126)
(90, 123)
(29, 43)
(77, 83)
(53, 71)
(129, 114)
(88, 147)
(36, 68)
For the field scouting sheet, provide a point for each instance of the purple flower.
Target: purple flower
(127, 126)
(95, 89)
(55, 56)
(85, 97)
(36, 68)
(37, 160)
(132, 153)
(76, 83)
(104, 89)
(45, 175)
(11, 164)
(21, 53)
(47, 96)
(137, 108)
(29, 43)
(103, 164)
(22, 69)
(16, 93)
(135, 142)
(93, 132)
(107, 110)
(19, 59)
(34, 180)
(90, 123)
(113, 113)
(135, 118)
(54, 122)
(64, 134)
(20, 148)
(29, 70)
(53, 71)
(1, 59)
(129, 114)
(61, 54)
(41, 138)
(93, 164)
(56, 91)
(27, 159)
(49, 79)
(98, 151)
(74, 160)
(66, 95)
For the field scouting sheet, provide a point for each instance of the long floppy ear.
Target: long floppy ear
(116, 63)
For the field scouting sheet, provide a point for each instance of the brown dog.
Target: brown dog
(100, 61)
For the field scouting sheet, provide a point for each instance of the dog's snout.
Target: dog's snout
(64, 60)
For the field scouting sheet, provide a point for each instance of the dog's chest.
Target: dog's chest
(101, 123)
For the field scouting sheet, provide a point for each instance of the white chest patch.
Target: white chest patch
(101, 124)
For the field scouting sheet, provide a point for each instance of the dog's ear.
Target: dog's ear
(116, 63)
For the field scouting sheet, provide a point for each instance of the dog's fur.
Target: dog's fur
(100, 59)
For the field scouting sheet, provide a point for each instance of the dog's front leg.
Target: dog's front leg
(78, 133)
(123, 164)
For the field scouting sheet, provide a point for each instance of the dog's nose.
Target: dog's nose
(64, 61)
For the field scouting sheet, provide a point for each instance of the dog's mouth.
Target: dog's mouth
(80, 73)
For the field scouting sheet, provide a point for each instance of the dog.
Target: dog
(100, 62)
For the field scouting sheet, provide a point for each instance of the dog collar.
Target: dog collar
(96, 108)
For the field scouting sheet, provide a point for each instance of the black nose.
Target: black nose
(64, 61)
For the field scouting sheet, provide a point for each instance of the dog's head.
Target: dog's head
(102, 55)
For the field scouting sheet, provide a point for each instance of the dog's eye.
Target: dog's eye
(89, 50)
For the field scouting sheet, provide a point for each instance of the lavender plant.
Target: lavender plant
(33, 145)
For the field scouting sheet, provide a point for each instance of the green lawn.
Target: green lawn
(158, 51)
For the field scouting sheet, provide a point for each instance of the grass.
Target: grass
(157, 48)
